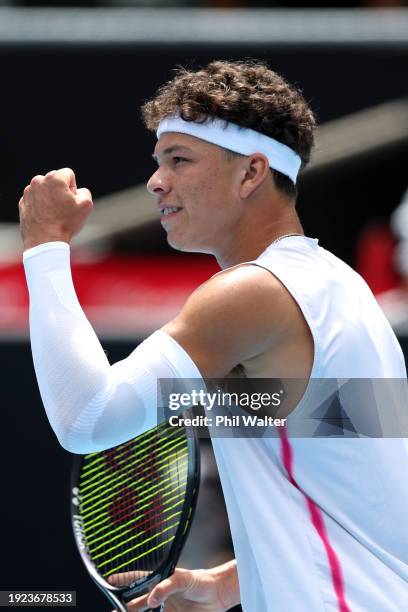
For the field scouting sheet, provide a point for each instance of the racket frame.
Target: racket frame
(119, 596)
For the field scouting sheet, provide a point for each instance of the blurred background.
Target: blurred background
(73, 78)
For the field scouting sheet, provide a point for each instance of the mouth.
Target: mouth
(168, 211)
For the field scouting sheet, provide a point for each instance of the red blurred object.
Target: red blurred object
(375, 258)
(122, 296)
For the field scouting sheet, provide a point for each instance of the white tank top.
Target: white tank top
(321, 524)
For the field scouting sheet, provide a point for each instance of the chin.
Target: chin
(187, 246)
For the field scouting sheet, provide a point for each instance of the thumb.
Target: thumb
(83, 197)
(180, 581)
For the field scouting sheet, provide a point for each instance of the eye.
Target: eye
(177, 159)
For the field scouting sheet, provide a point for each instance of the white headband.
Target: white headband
(238, 139)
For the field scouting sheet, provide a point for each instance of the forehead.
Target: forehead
(175, 139)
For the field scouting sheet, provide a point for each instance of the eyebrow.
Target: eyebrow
(170, 150)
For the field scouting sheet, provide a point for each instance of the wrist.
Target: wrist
(34, 242)
(38, 234)
(226, 578)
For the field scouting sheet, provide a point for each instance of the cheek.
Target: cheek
(209, 192)
(201, 197)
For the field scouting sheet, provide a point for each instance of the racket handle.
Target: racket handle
(159, 609)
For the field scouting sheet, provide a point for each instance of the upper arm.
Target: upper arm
(232, 317)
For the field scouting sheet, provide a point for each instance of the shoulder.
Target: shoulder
(234, 316)
(242, 279)
(243, 293)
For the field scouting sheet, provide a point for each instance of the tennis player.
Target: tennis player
(319, 523)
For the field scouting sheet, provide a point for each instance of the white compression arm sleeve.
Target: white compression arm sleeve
(91, 405)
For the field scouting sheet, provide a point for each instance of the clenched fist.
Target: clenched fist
(52, 208)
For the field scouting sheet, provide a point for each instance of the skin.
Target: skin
(233, 210)
(213, 590)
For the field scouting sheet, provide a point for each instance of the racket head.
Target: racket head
(132, 508)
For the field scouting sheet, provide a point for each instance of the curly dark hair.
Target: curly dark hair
(247, 93)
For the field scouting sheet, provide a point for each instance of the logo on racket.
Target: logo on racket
(75, 500)
(77, 520)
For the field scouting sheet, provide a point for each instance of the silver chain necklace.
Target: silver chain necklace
(285, 236)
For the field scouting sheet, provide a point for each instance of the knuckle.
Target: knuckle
(86, 197)
(55, 181)
(67, 171)
(49, 176)
(37, 180)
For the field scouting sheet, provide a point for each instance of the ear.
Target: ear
(256, 171)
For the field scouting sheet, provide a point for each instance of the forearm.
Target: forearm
(226, 576)
(90, 404)
(70, 364)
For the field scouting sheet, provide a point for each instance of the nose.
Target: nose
(158, 183)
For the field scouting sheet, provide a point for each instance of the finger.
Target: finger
(179, 582)
(51, 174)
(68, 177)
(36, 180)
(126, 578)
(83, 199)
(83, 195)
(21, 209)
(28, 190)
(138, 605)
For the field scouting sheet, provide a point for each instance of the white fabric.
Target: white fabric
(90, 404)
(359, 485)
(399, 225)
(236, 138)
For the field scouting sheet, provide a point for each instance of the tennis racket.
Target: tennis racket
(132, 507)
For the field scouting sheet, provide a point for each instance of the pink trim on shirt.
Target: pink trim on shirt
(316, 517)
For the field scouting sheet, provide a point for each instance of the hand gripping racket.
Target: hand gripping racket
(132, 507)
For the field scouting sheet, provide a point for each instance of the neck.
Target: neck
(251, 239)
